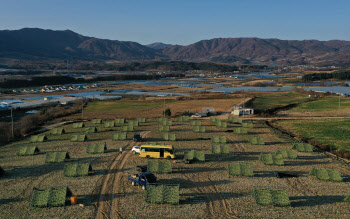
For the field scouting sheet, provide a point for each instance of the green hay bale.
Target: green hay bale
(96, 121)
(282, 152)
(223, 124)
(77, 169)
(38, 138)
(225, 149)
(167, 123)
(57, 157)
(78, 138)
(108, 124)
(312, 172)
(172, 137)
(247, 125)
(215, 149)
(247, 169)
(266, 159)
(240, 169)
(212, 120)
(240, 130)
(78, 125)
(347, 198)
(322, 174)
(171, 194)
(196, 128)
(57, 197)
(218, 123)
(134, 123)
(96, 148)
(199, 155)
(57, 131)
(257, 141)
(164, 166)
(223, 139)
(334, 175)
(292, 154)
(280, 198)
(90, 130)
(189, 155)
(163, 128)
(195, 122)
(262, 196)
(119, 136)
(202, 129)
(302, 147)
(165, 136)
(53, 197)
(29, 150)
(215, 139)
(154, 194)
(169, 137)
(277, 159)
(119, 121)
(152, 166)
(40, 197)
(234, 169)
(127, 128)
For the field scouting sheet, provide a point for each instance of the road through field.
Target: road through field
(108, 201)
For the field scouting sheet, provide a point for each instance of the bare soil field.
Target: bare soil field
(206, 189)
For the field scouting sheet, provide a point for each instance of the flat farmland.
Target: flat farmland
(333, 132)
(328, 106)
(206, 189)
(152, 108)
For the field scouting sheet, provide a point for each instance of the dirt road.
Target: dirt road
(108, 201)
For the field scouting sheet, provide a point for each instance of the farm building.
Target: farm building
(52, 197)
(241, 110)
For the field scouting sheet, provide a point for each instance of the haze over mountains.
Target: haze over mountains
(34, 43)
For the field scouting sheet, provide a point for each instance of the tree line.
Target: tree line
(60, 80)
(341, 75)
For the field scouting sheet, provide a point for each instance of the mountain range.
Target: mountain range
(40, 44)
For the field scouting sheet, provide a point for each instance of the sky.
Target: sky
(183, 21)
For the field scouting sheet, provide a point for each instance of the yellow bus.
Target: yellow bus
(157, 151)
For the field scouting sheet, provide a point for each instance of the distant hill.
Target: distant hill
(264, 51)
(158, 45)
(34, 43)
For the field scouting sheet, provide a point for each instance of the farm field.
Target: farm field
(153, 108)
(333, 132)
(264, 101)
(206, 189)
(328, 106)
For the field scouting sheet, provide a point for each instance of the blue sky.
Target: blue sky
(183, 21)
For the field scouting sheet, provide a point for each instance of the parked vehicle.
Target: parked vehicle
(196, 116)
(142, 179)
(157, 151)
(135, 149)
(137, 137)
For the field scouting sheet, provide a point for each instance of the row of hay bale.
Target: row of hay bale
(162, 194)
(220, 149)
(52, 197)
(159, 166)
(240, 169)
(169, 136)
(183, 119)
(326, 174)
(275, 197)
(194, 155)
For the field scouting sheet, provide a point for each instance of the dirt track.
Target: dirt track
(108, 201)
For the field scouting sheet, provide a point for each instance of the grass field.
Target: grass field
(206, 189)
(264, 101)
(334, 132)
(328, 106)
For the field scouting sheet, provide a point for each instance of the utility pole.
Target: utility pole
(339, 106)
(82, 108)
(243, 104)
(12, 124)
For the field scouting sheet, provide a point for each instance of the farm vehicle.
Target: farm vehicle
(142, 179)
